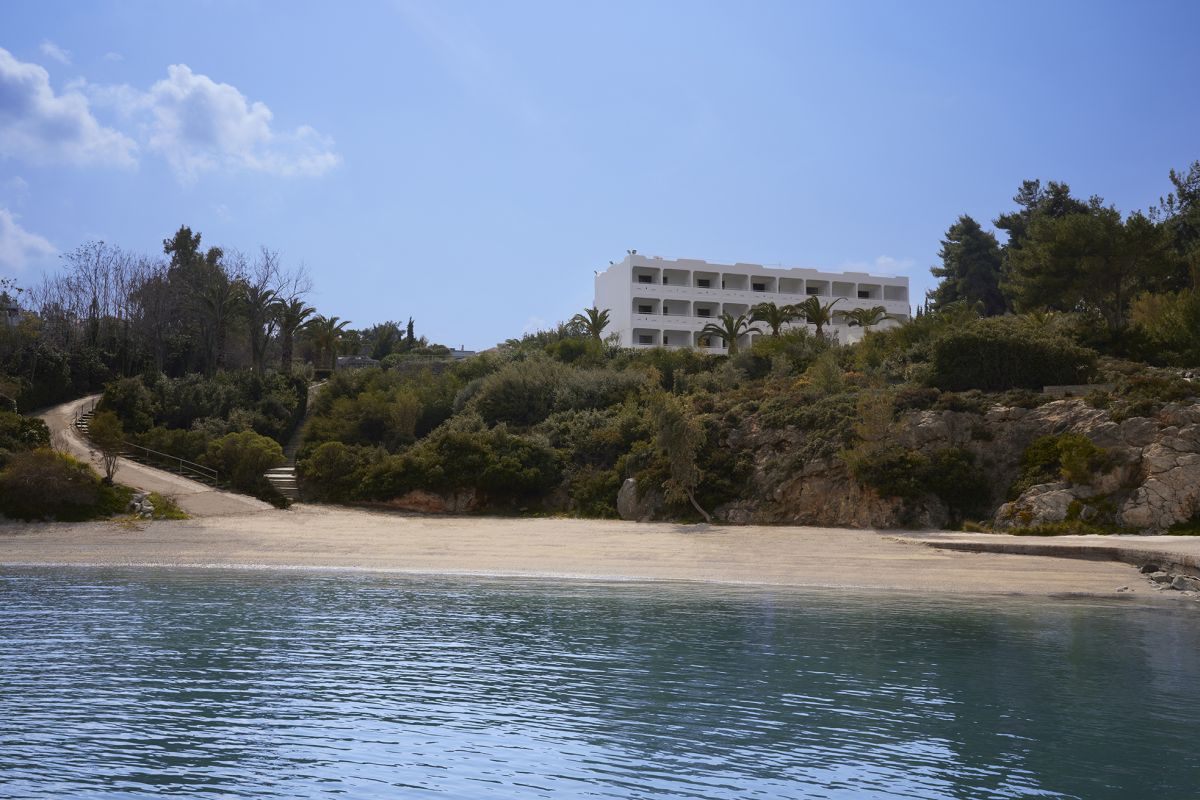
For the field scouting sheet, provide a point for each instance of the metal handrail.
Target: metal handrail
(181, 465)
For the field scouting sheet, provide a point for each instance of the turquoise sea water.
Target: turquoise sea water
(249, 684)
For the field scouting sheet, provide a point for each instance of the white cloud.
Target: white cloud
(111, 56)
(18, 246)
(535, 324)
(882, 265)
(16, 187)
(51, 50)
(894, 266)
(42, 127)
(200, 125)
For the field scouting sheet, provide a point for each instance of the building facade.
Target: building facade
(657, 302)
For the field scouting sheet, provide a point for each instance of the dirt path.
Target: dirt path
(197, 499)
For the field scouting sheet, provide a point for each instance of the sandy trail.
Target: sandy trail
(197, 499)
(326, 537)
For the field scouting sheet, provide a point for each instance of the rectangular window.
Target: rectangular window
(643, 278)
(703, 312)
(666, 339)
(760, 287)
(811, 291)
(645, 309)
(864, 294)
(703, 283)
(665, 311)
(645, 338)
(664, 280)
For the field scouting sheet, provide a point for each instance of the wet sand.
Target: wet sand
(327, 537)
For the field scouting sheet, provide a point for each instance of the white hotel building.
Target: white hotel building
(657, 302)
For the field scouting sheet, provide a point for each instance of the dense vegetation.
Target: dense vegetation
(37, 482)
(207, 355)
(191, 310)
(558, 420)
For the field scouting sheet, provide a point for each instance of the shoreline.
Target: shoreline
(340, 539)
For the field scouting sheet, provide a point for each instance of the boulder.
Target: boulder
(1044, 504)
(420, 500)
(634, 508)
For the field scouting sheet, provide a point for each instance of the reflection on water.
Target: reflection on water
(239, 684)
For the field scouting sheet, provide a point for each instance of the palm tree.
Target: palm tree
(214, 303)
(865, 318)
(259, 304)
(817, 313)
(291, 315)
(729, 329)
(775, 316)
(325, 333)
(593, 321)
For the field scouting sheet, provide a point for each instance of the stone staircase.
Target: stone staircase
(284, 478)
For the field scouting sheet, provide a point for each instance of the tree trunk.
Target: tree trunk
(696, 506)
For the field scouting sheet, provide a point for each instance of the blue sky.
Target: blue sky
(471, 164)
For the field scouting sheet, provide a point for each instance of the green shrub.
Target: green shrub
(190, 445)
(1189, 527)
(44, 484)
(593, 491)
(826, 421)
(22, 433)
(241, 459)
(131, 401)
(522, 393)
(962, 485)
(1067, 456)
(998, 354)
(465, 454)
(972, 402)
(333, 472)
(269, 404)
(165, 507)
(891, 473)
(1079, 459)
(915, 398)
(597, 388)
(951, 474)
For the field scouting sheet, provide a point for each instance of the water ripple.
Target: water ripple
(213, 684)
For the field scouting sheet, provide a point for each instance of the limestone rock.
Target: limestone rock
(631, 507)
(826, 494)
(1170, 491)
(420, 500)
(1043, 504)
(140, 505)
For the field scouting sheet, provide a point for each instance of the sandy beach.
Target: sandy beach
(323, 537)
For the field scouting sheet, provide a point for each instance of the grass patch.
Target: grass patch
(166, 507)
(1190, 527)
(1072, 527)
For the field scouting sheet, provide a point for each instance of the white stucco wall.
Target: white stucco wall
(617, 288)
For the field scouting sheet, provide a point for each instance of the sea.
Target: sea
(220, 683)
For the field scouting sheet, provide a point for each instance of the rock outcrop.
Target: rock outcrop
(1150, 480)
(631, 506)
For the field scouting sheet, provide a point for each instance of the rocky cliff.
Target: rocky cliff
(1146, 480)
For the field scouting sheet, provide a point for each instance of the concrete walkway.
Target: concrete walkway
(1173, 553)
(197, 499)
